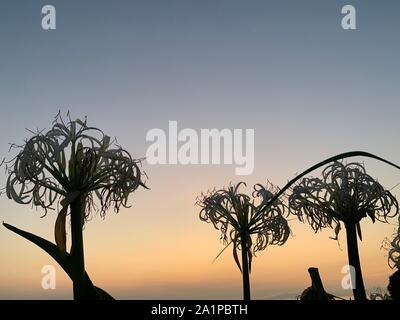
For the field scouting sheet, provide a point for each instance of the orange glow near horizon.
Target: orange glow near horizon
(163, 250)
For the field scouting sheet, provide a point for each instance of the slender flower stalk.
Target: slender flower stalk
(344, 195)
(76, 166)
(245, 222)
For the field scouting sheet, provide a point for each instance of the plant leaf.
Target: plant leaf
(222, 251)
(60, 233)
(63, 259)
(249, 254)
(359, 230)
(320, 164)
(235, 255)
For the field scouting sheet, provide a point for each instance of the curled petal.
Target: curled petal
(72, 157)
(344, 193)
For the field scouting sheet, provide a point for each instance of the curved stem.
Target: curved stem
(354, 261)
(245, 268)
(318, 165)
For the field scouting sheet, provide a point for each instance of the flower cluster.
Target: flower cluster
(70, 160)
(345, 193)
(236, 214)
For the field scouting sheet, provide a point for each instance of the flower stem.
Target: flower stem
(245, 268)
(354, 260)
(77, 255)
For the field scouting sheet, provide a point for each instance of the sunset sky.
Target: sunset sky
(284, 68)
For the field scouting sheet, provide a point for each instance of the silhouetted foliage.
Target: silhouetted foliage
(245, 222)
(394, 285)
(316, 291)
(393, 247)
(344, 195)
(71, 165)
(394, 262)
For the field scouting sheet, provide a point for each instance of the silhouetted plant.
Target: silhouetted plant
(72, 165)
(245, 223)
(316, 291)
(394, 285)
(345, 194)
(393, 247)
(221, 224)
(379, 294)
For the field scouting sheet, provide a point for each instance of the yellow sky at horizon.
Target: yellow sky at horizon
(159, 248)
(163, 250)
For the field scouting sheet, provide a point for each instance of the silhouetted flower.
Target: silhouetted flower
(41, 175)
(394, 250)
(246, 221)
(345, 194)
(71, 164)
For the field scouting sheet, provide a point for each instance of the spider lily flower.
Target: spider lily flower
(393, 248)
(245, 222)
(344, 195)
(77, 166)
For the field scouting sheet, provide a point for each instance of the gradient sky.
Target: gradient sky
(284, 68)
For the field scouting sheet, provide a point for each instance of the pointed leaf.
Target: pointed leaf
(249, 254)
(222, 251)
(62, 258)
(50, 248)
(235, 255)
(359, 230)
(60, 233)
